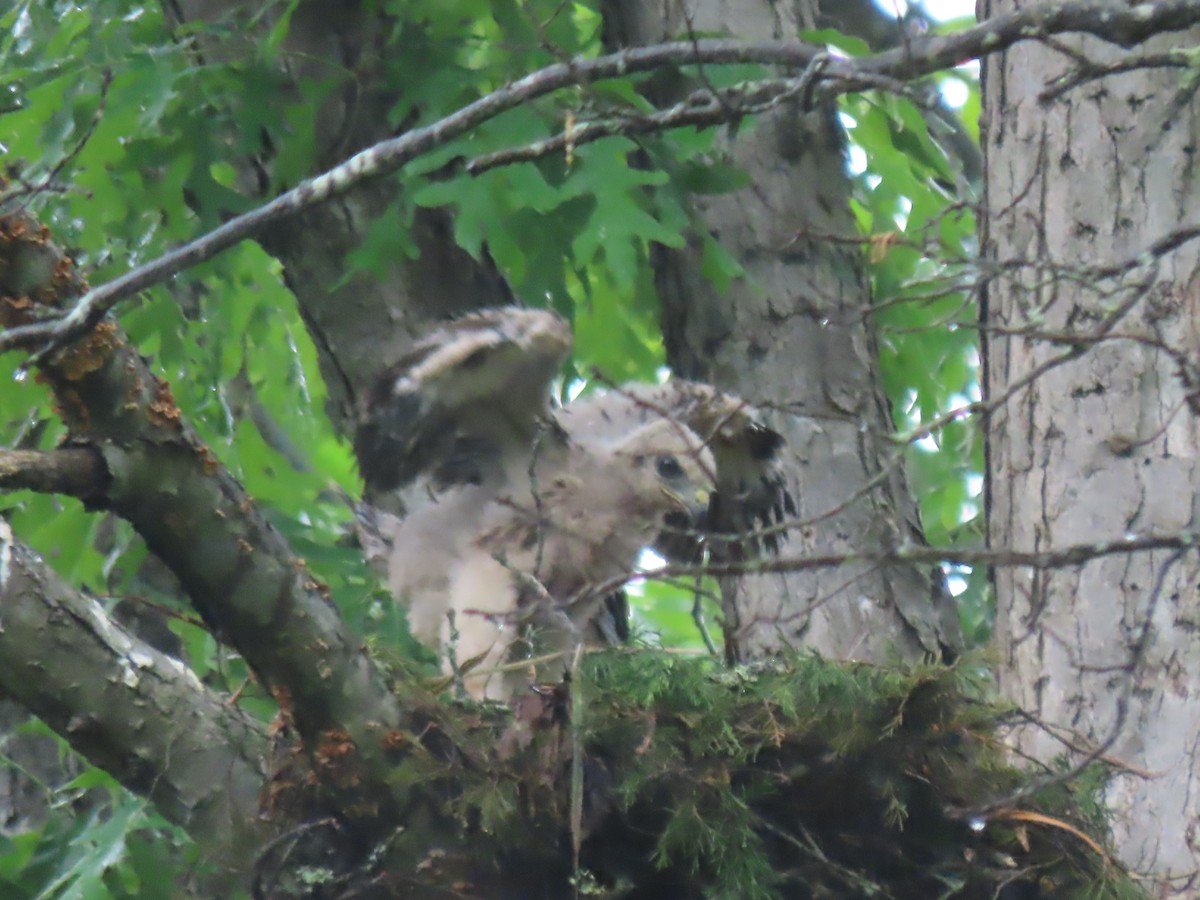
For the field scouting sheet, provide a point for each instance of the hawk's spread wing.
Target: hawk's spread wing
(465, 402)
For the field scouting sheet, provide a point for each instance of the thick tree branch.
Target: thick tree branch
(74, 471)
(236, 568)
(141, 716)
(1119, 24)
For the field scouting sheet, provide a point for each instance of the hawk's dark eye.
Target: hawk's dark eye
(668, 467)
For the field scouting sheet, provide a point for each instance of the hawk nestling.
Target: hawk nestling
(522, 515)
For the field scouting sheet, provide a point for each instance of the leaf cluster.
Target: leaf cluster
(914, 200)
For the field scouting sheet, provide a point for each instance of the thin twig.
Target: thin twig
(1065, 557)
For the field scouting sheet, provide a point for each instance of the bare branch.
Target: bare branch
(141, 716)
(704, 107)
(1064, 557)
(1087, 70)
(74, 471)
(238, 571)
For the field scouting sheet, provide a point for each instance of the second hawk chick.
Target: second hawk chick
(539, 564)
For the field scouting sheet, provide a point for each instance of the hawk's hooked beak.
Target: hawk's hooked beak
(694, 511)
(681, 537)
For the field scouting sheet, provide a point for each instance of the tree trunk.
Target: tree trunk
(1103, 444)
(790, 336)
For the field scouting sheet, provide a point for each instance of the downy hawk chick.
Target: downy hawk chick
(541, 563)
(518, 512)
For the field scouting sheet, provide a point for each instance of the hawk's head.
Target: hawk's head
(670, 473)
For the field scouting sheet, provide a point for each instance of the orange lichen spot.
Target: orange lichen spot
(62, 276)
(395, 740)
(164, 415)
(163, 410)
(90, 354)
(283, 699)
(163, 390)
(133, 396)
(71, 408)
(334, 747)
(210, 464)
(15, 311)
